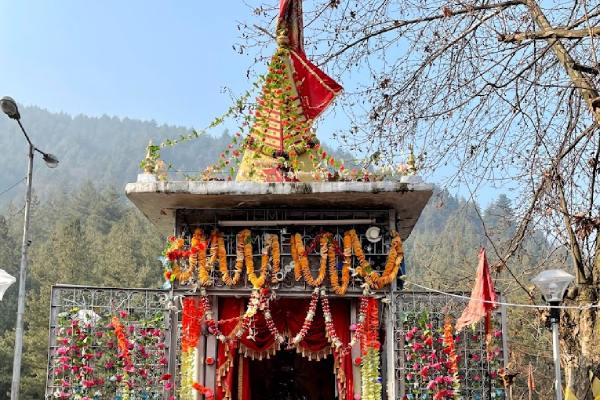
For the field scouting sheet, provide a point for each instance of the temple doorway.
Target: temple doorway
(289, 376)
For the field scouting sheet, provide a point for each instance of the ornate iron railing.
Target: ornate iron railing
(480, 365)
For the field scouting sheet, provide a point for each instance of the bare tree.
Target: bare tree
(496, 92)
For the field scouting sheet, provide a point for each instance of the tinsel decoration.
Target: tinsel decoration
(370, 346)
(186, 390)
(192, 313)
(450, 350)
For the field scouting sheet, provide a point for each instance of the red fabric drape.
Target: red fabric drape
(315, 88)
(483, 298)
(288, 315)
(290, 18)
(228, 308)
(341, 320)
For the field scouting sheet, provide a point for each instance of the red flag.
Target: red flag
(315, 88)
(483, 298)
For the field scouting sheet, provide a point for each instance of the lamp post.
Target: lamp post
(553, 283)
(9, 107)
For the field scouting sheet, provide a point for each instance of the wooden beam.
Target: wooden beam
(552, 33)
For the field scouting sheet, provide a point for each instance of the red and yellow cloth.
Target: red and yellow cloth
(295, 92)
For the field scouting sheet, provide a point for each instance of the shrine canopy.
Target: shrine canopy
(294, 93)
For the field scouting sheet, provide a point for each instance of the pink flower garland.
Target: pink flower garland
(330, 328)
(312, 308)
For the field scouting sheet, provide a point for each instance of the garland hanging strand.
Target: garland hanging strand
(308, 319)
(298, 255)
(340, 289)
(271, 246)
(450, 350)
(301, 263)
(197, 257)
(392, 266)
(239, 260)
(276, 257)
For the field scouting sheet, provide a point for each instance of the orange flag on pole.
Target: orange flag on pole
(483, 299)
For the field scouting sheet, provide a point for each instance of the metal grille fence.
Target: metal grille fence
(86, 358)
(480, 366)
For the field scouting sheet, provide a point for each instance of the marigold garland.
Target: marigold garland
(301, 264)
(184, 263)
(123, 345)
(276, 256)
(121, 341)
(392, 265)
(199, 242)
(192, 313)
(239, 261)
(340, 289)
(196, 258)
(370, 346)
(450, 350)
(298, 255)
(271, 245)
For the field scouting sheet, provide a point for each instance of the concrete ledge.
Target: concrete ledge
(159, 200)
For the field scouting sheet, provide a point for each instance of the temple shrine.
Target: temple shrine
(285, 283)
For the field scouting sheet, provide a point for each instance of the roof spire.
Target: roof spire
(294, 93)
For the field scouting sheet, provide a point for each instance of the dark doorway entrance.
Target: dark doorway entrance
(289, 376)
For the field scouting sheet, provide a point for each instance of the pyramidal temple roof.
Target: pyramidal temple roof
(294, 93)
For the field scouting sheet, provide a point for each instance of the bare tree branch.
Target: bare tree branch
(586, 87)
(556, 33)
(400, 24)
(526, 220)
(574, 245)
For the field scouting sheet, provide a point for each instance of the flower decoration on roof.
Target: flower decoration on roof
(294, 93)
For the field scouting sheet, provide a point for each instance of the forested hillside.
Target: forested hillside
(105, 150)
(88, 233)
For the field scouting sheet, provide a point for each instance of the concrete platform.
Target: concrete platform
(159, 200)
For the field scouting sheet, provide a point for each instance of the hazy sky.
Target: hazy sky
(144, 59)
(148, 59)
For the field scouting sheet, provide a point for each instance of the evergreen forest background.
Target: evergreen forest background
(84, 231)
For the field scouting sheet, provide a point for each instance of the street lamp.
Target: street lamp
(9, 107)
(553, 283)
